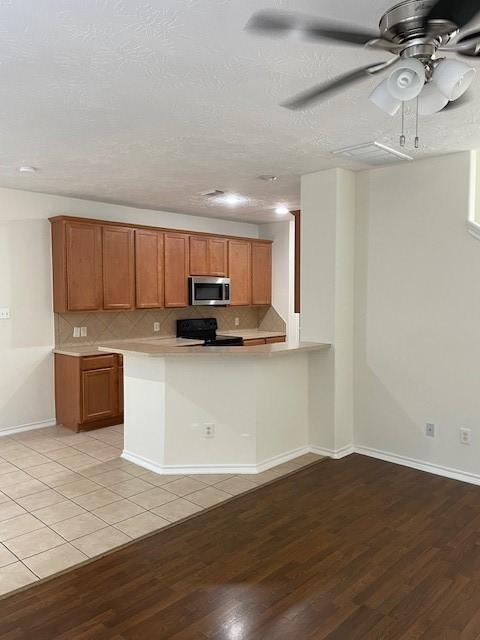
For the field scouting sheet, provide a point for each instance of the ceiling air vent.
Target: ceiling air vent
(373, 153)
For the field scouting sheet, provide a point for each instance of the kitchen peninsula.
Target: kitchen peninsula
(196, 409)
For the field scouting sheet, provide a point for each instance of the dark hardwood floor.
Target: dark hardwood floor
(346, 550)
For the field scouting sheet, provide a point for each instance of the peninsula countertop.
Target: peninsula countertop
(164, 341)
(156, 348)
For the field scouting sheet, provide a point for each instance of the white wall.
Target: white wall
(417, 342)
(26, 372)
(283, 271)
(327, 306)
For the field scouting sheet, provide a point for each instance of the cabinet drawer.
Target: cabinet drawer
(89, 363)
(275, 339)
(254, 342)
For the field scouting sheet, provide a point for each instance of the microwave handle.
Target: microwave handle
(226, 292)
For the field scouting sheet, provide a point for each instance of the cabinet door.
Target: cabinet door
(198, 256)
(148, 269)
(83, 266)
(99, 396)
(239, 257)
(118, 268)
(176, 270)
(217, 257)
(261, 273)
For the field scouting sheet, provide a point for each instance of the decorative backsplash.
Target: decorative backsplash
(121, 325)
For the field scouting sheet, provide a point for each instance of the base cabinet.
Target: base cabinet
(88, 391)
(256, 342)
(99, 401)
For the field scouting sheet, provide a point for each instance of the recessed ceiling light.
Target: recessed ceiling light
(231, 199)
(27, 169)
(268, 178)
(282, 210)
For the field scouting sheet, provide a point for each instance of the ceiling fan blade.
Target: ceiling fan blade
(469, 45)
(460, 12)
(279, 23)
(326, 89)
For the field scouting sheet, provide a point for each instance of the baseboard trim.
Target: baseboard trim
(9, 431)
(236, 469)
(335, 454)
(428, 467)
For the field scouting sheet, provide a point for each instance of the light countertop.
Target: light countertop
(77, 352)
(92, 350)
(152, 349)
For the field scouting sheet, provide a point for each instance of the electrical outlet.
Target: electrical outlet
(465, 436)
(430, 430)
(83, 332)
(208, 430)
(156, 327)
(237, 322)
(4, 313)
(76, 332)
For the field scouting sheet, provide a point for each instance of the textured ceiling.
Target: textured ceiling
(150, 102)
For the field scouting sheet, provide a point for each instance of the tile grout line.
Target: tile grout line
(23, 443)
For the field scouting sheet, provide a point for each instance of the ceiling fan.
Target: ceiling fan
(416, 32)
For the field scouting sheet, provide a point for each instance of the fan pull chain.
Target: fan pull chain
(402, 137)
(417, 139)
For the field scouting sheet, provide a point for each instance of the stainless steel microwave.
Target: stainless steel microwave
(209, 291)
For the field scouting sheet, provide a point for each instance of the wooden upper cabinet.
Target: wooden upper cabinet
(77, 266)
(176, 269)
(149, 269)
(114, 266)
(208, 256)
(218, 256)
(198, 256)
(239, 269)
(261, 273)
(118, 267)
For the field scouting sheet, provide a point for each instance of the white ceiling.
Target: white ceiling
(150, 103)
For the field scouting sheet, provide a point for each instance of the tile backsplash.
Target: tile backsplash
(121, 325)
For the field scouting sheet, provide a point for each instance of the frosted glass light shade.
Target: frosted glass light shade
(381, 97)
(453, 77)
(407, 79)
(431, 100)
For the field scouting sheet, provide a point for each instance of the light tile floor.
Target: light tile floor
(66, 498)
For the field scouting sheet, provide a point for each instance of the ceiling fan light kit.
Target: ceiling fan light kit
(431, 100)
(406, 80)
(383, 99)
(415, 32)
(453, 78)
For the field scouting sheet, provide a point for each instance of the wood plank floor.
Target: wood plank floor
(344, 550)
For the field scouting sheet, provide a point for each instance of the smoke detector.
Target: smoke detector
(373, 153)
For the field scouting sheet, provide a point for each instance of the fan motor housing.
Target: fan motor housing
(405, 24)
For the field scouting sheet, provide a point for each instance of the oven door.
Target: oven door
(209, 291)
